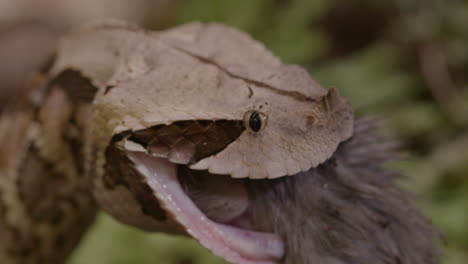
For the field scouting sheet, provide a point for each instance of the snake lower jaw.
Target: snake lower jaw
(217, 215)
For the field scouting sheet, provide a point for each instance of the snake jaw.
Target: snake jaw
(234, 244)
(153, 168)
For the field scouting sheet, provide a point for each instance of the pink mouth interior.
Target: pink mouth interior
(231, 242)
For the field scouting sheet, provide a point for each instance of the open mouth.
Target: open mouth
(212, 208)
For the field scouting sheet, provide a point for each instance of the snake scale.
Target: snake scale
(199, 131)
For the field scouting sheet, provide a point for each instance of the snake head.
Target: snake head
(183, 118)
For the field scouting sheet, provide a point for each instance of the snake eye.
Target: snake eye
(255, 121)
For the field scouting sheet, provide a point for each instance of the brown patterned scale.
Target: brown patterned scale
(46, 203)
(194, 139)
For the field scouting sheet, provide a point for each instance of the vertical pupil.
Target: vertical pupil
(255, 122)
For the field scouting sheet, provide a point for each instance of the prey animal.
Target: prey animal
(198, 130)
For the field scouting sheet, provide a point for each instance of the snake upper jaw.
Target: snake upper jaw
(227, 239)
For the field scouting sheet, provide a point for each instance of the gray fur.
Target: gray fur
(347, 210)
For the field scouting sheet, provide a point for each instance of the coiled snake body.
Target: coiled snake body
(197, 130)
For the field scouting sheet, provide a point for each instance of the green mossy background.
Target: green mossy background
(406, 61)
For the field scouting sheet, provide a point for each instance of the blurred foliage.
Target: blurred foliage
(109, 242)
(404, 60)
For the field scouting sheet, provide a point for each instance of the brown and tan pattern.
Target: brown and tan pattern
(201, 131)
(196, 139)
(46, 201)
